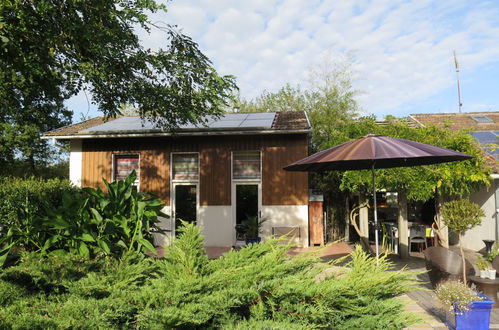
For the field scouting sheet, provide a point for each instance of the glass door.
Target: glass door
(185, 203)
(247, 201)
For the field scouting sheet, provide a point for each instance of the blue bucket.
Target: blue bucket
(476, 318)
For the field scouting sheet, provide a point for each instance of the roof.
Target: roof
(458, 121)
(229, 123)
(483, 126)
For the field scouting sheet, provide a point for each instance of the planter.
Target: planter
(488, 273)
(476, 318)
(253, 240)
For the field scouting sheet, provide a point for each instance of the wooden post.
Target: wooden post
(363, 220)
(403, 227)
(347, 220)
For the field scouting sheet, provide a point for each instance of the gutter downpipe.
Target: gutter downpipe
(495, 177)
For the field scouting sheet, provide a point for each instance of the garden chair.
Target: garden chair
(417, 235)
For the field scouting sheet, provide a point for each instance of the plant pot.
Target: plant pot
(476, 318)
(253, 240)
(492, 274)
(484, 273)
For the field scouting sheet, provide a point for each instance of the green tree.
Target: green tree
(50, 50)
(460, 216)
(331, 107)
(421, 183)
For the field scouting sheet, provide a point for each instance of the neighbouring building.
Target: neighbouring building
(215, 175)
(484, 127)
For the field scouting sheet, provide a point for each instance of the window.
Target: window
(246, 165)
(124, 165)
(482, 119)
(185, 167)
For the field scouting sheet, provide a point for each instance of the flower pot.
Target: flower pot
(476, 318)
(484, 273)
(492, 274)
(253, 240)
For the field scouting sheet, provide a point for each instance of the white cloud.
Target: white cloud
(403, 48)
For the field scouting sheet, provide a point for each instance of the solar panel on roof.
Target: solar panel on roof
(229, 121)
(489, 142)
(482, 119)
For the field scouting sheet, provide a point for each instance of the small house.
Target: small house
(216, 175)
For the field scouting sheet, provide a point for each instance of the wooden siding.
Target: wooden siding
(279, 187)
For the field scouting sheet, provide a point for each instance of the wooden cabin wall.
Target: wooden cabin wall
(278, 186)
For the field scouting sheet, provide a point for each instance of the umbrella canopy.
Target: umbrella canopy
(372, 152)
(377, 150)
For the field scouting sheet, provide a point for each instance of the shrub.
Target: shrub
(461, 215)
(20, 196)
(456, 293)
(256, 287)
(85, 222)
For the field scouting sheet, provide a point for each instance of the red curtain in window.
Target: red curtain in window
(185, 167)
(246, 165)
(124, 165)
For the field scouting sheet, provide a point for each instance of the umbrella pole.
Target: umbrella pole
(375, 213)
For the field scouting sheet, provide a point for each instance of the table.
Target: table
(488, 287)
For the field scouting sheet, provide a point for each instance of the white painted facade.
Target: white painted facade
(286, 216)
(487, 198)
(75, 162)
(165, 223)
(218, 224)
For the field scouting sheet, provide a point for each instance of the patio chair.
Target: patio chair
(417, 235)
(443, 264)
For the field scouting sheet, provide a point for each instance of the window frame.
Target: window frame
(137, 181)
(185, 180)
(245, 179)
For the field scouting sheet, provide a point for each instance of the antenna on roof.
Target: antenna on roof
(456, 63)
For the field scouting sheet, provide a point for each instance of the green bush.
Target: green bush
(256, 287)
(20, 196)
(85, 222)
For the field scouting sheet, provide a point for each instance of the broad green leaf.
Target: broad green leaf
(87, 238)
(147, 245)
(83, 250)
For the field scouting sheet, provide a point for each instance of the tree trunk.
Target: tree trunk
(440, 229)
(462, 258)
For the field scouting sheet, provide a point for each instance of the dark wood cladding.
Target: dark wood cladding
(279, 187)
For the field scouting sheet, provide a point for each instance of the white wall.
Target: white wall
(217, 225)
(487, 230)
(75, 162)
(286, 216)
(166, 224)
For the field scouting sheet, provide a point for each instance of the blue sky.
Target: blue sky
(402, 50)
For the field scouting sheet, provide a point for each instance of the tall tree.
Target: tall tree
(50, 50)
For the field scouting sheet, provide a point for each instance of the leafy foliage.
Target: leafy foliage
(51, 50)
(461, 215)
(258, 286)
(87, 223)
(456, 294)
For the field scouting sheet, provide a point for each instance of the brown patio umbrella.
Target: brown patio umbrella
(372, 152)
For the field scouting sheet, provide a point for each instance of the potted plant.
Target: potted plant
(253, 229)
(483, 266)
(466, 308)
(461, 215)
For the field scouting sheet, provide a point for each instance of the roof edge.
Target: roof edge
(197, 133)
